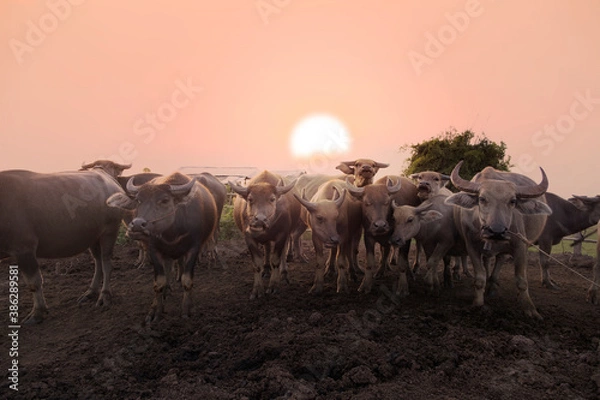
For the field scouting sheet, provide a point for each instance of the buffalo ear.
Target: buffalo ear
(430, 216)
(346, 167)
(533, 207)
(122, 201)
(462, 199)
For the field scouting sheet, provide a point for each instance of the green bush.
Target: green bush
(228, 229)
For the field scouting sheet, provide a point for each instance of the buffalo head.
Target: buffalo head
(376, 205)
(408, 220)
(497, 200)
(261, 199)
(323, 216)
(429, 183)
(154, 204)
(112, 168)
(362, 169)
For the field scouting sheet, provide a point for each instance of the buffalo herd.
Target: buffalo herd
(491, 220)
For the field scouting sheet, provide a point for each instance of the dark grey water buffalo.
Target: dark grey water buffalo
(335, 222)
(266, 212)
(219, 192)
(376, 202)
(566, 219)
(174, 216)
(499, 213)
(432, 225)
(59, 215)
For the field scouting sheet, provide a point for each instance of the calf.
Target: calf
(174, 216)
(265, 212)
(439, 240)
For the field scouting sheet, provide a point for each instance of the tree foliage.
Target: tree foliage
(442, 153)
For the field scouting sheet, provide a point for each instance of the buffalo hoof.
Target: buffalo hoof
(550, 284)
(153, 316)
(34, 317)
(89, 295)
(532, 313)
(104, 300)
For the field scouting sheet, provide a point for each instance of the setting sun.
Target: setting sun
(319, 133)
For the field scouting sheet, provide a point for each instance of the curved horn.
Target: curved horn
(423, 207)
(241, 190)
(393, 188)
(88, 165)
(132, 187)
(462, 184)
(381, 165)
(124, 166)
(395, 205)
(341, 197)
(531, 191)
(445, 177)
(283, 189)
(182, 189)
(311, 207)
(355, 191)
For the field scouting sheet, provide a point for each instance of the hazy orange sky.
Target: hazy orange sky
(166, 84)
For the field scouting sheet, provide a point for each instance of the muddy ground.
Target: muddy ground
(300, 346)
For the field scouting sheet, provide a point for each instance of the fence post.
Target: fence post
(577, 247)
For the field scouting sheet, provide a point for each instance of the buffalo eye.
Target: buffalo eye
(436, 179)
(368, 203)
(320, 219)
(273, 199)
(163, 201)
(482, 200)
(410, 219)
(513, 202)
(250, 199)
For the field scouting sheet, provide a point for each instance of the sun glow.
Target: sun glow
(319, 134)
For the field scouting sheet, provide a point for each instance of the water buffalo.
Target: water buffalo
(335, 221)
(430, 183)
(59, 215)
(497, 213)
(174, 216)
(566, 219)
(363, 170)
(376, 204)
(219, 192)
(265, 212)
(432, 225)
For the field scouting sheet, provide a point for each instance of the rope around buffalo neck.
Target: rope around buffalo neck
(524, 239)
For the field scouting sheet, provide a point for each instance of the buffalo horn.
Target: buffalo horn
(531, 191)
(462, 184)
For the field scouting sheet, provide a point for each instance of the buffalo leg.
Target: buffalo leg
(258, 289)
(317, 286)
(592, 295)
(547, 281)
(520, 260)
(187, 280)
(278, 265)
(161, 286)
(343, 266)
(367, 282)
(403, 269)
(297, 255)
(33, 278)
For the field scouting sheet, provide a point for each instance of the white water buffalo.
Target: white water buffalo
(430, 183)
(265, 212)
(566, 219)
(174, 216)
(59, 215)
(335, 222)
(497, 213)
(432, 225)
(376, 204)
(363, 170)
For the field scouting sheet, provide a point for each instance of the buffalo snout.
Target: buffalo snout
(495, 232)
(138, 227)
(380, 227)
(259, 222)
